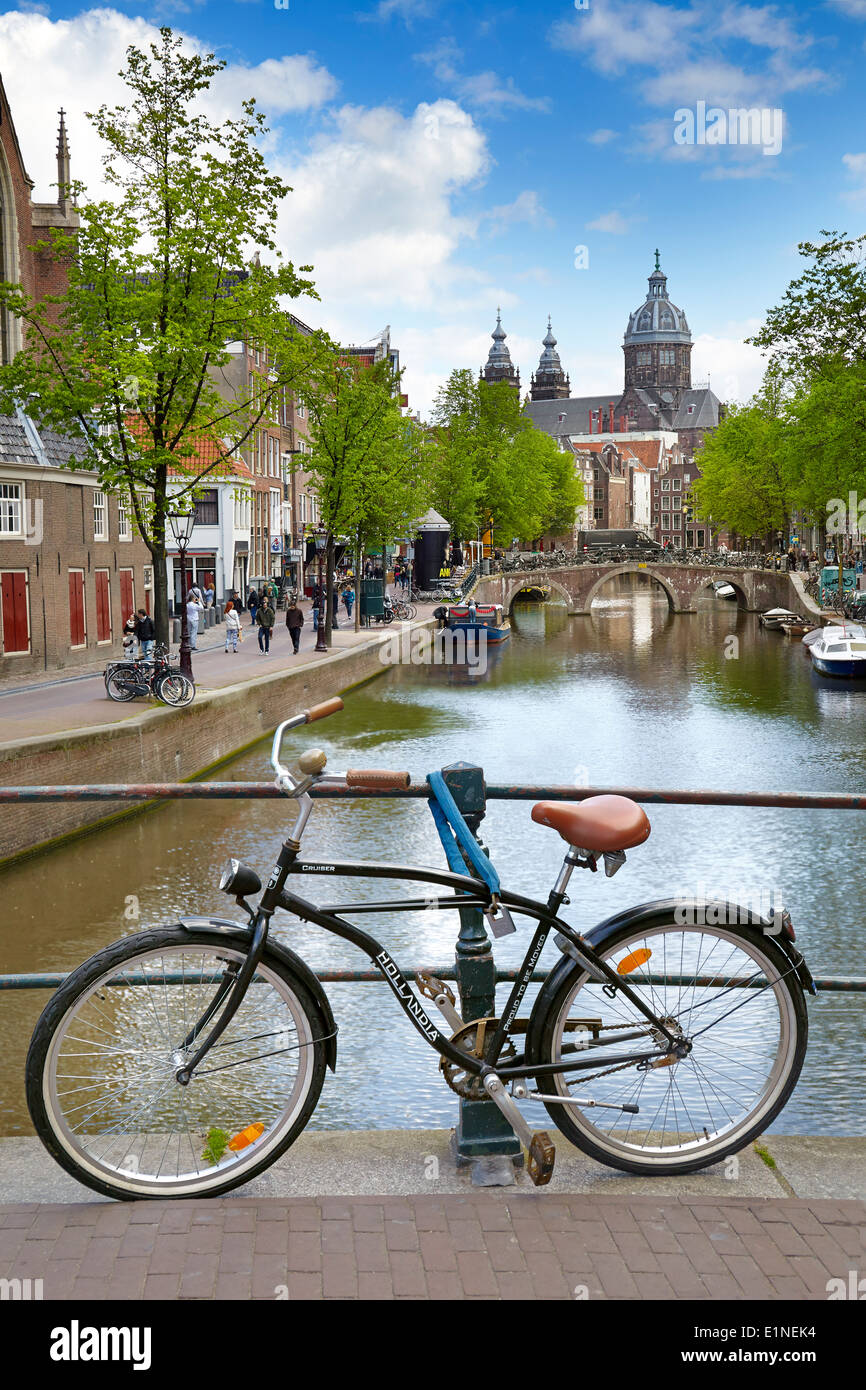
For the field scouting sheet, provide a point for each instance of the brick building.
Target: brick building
(71, 567)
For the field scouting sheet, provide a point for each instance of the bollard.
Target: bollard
(482, 1130)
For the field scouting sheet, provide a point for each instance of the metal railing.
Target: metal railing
(236, 791)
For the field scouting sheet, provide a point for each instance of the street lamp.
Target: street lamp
(321, 539)
(181, 524)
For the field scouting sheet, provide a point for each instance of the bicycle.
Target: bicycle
(403, 610)
(125, 680)
(184, 1060)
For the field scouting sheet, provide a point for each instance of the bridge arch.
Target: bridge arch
(649, 570)
(734, 578)
(532, 579)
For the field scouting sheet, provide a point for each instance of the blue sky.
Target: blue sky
(447, 158)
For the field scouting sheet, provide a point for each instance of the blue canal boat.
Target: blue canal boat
(840, 651)
(474, 619)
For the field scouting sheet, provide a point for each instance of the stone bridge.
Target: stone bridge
(756, 589)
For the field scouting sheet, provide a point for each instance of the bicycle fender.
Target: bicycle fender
(225, 926)
(647, 916)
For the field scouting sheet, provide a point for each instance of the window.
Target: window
(207, 508)
(100, 519)
(678, 522)
(598, 513)
(677, 484)
(666, 521)
(124, 532)
(666, 484)
(666, 356)
(700, 540)
(595, 474)
(11, 508)
(655, 492)
(643, 359)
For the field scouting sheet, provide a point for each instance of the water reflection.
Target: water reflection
(631, 695)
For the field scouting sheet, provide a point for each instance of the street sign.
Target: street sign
(276, 545)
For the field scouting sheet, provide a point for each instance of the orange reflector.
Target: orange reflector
(630, 963)
(246, 1136)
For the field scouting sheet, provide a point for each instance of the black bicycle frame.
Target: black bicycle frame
(469, 892)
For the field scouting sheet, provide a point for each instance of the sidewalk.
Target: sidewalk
(386, 1214)
(55, 703)
(482, 1245)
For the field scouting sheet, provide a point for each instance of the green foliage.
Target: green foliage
(489, 463)
(161, 281)
(216, 1143)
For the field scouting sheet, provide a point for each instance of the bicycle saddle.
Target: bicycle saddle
(601, 823)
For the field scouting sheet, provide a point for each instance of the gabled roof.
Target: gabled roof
(545, 414)
(705, 414)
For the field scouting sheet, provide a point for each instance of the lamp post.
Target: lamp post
(321, 546)
(181, 524)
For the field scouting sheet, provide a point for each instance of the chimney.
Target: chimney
(590, 422)
(610, 417)
(623, 426)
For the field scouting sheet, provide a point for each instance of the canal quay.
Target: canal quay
(369, 1202)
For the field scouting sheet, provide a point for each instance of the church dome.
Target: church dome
(657, 320)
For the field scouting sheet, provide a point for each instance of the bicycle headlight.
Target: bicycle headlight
(239, 880)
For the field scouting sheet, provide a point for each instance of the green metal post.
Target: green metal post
(482, 1129)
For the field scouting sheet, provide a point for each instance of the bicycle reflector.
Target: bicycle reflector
(239, 880)
(631, 962)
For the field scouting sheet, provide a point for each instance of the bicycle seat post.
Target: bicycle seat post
(482, 1131)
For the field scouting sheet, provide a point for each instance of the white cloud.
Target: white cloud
(612, 222)
(484, 89)
(601, 137)
(525, 208)
(855, 9)
(78, 61)
(856, 166)
(734, 367)
(401, 9)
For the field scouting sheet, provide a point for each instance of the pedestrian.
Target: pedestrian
(348, 600)
(294, 622)
(233, 627)
(265, 619)
(199, 596)
(252, 605)
(315, 600)
(209, 595)
(129, 637)
(146, 634)
(194, 611)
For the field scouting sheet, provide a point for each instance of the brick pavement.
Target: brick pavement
(484, 1245)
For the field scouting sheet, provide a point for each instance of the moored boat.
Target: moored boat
(473, 620)
(724, 590)
(838, 652)
(775, 618)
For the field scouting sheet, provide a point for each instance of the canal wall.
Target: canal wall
(161, 745)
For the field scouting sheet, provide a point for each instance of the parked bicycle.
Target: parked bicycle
(184, 1060)
(126, 680)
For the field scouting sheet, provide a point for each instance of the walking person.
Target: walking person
(233, 627)
(146, 634)
(129, 637)
(252, 605)
(294, 622)
(315, 596)
(348, 600)
(194, 611)
(265, 619)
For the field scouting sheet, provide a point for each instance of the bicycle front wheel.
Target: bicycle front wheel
(101, 1068)
(122, 685)
(174, 688)
(731, 993)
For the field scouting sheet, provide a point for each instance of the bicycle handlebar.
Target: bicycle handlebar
(324, 709)
(376, 778)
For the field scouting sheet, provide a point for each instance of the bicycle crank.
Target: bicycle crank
(538, 1144)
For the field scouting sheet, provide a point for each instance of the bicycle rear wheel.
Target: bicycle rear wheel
(733, 995)
(101, 1068)
(122, 685)
(174, 688)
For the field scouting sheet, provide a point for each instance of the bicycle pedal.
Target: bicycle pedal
(542, 1156)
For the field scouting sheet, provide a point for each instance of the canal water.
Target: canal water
(631, 696)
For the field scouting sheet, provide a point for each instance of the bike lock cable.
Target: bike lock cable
(448, 819)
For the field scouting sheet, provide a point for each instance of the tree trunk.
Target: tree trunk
(158, 554)
(329, 587)
(357, 569)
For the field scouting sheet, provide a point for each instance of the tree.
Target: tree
(821, 322)
(746, 483)
(365, 457)
(490, 466)
(161, 281)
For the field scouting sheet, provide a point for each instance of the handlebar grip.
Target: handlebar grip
(379, 779)
(324, 709)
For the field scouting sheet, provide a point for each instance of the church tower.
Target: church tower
(549, 381)
(657, 343)
(499, 366)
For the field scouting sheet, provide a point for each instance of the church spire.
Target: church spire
(499, 366)
(64, 177)
(549, 382)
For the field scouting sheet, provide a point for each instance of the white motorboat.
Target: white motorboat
(839, 652)
(724, 590)
(775, 618)
(835, 632)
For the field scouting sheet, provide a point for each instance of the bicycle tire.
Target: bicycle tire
(175, 689)
(127, 1180)
(117, 687)
(615, 1150)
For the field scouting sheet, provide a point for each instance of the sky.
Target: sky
(447, 159)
